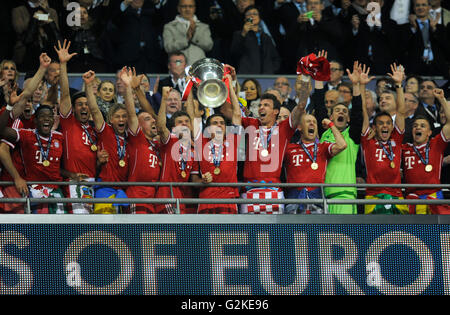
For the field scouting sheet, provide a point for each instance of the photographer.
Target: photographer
(253, 47)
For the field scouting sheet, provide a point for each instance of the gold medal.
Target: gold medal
(314, 166)
(264, 153)
(94, 147)
(46, 163)
(160, 164)
(217, 171)
(392, 164)
(122, 163)
(428, 168)
(183, 174)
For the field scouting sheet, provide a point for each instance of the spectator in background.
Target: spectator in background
(187, 34)
(442, 15)
(332, 97)
(411, 103)
(428, 107)
(426, 42)
(106, 96)
(283, 85)
(8, 79)
(345, 90)
(375, 44)
(37, 30)
(136, 37)
(177, 74)
(315, 33)
(86, 42)
(371, 104)
(412, 84)
(336, 74)
(252, 90)
(384, 83)
(253, 48)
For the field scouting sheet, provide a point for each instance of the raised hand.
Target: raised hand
(325, 123)
(156, 86)
(63, 52)
(439, 94)
(364, 77)
(398, 73)
(88, 77)
(126, 76)
(135, 79)
(354, 76)
(44, 60)
(322, 53)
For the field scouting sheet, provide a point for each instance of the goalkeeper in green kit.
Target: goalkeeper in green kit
(341, 168)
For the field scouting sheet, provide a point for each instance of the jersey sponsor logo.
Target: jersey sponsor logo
(410, 161)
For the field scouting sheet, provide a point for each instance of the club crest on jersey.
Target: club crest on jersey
(56, 144)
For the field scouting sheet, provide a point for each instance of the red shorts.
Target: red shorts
(141, 192)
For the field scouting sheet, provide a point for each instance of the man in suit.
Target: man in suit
(283, 86)
(177, 74)
(427, 43)
(428, 106)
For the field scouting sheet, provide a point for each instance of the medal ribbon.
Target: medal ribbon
(265, 142)
(121, 149)
(155, 149)
(390, 155)
(216, 159)
(44, 154)
(88, 134)
(427, 150)
(182, 160)
(307, 151)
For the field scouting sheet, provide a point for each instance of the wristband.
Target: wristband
(398, 86)
(9, 107)
(331, 124)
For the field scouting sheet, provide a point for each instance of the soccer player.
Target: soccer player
(306, 162)
(422, 160)
(266, 146)
(80, 139)
(176, 153)
(112, 137)
(145, 161)
(382, 153)
(217, 156)
(341, 168)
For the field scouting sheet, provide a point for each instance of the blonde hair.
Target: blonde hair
(2, 64)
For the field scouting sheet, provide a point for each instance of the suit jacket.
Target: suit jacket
(251, 58)
(175, 39)
(414, 49)
(168, 82)
(433, 118)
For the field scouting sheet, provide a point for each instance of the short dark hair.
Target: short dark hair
(176, 53)
(171, 122)
(380, 114)
(77, 95)
(41, 108)
(345, 84)
(424, 118)
(276, 102)
(208, 120)
(251, 7)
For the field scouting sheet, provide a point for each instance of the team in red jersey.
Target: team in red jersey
(422, 160)
(141, 147)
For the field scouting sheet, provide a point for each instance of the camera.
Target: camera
(249, 20)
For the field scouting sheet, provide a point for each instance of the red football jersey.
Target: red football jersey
(171, 170)
(228, 166)
(298, 164)
(414, 169)
(268, 168)
(111, 171)
(378, 165)
(144, 158)
(78, 156)
(33, 159)
(15, 151)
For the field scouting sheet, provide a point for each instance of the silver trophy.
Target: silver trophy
(212, 91)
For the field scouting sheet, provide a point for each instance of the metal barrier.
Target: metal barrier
(325, 201)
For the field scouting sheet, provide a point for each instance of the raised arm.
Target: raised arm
(236, 118)
(97, 116)
(439, 95)
(126, 76)
(5, 158)
(161, 122)
(340, 143)
(364, 79)
(32, 85)
(398, 75)
(64, 56)
(303, 95)
(136, 86)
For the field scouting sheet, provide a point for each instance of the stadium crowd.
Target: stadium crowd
(337, 131)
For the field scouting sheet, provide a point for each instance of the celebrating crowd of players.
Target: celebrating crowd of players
(129, 145)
